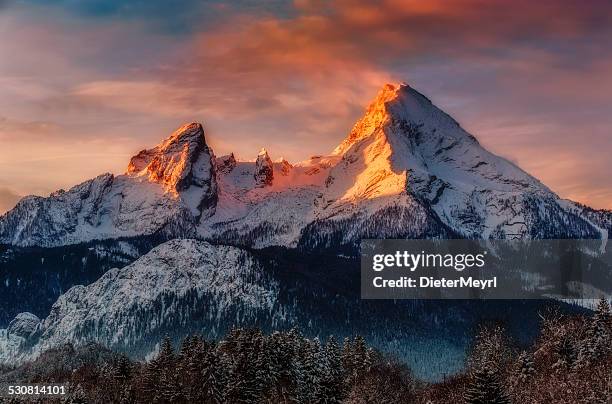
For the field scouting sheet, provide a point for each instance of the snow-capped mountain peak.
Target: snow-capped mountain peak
(406, 169)
(181, 160)
(167, 189)
(375, 116)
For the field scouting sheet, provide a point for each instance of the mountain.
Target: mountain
(271, 243)
(180, 284)
(406, 169)
(187, 286)
(165, 190)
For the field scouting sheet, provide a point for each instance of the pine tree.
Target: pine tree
(169, 387)
(150, 378)
(526, 368)
(485, 388)
(166, 355)
(186, 350)
(361, 355)
(567, 354)
(127, 395)
(211, 379)
(281, 351)
(122, 369)
(490, 349)
(310, 374)
(348, 361)
(245, 352)
(598, 338)
(332, 383)
(602, 328)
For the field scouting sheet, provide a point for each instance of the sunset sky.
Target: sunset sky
(85, 84)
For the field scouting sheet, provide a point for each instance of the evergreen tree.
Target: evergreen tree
(526, 368)
(127, 395)
(150, 378)
(361, 356)
(598, 339)
(166, 353)
(186, 350)
(602, 328)
(170, 390)
(122, 369)
(310, 371)
(245, 383)
(491, 349)
(211, 379)
(332, 383)
(566, 352)
(485, 388)
(281, 350)
(348, 360)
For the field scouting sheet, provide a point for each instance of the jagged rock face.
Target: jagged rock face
(225, 164)
(180, 161)
(23, 325)
(284, 167)
(264, 171)
(182, 164)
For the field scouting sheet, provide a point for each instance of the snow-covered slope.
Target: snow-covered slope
(177, 285)
(406, 169)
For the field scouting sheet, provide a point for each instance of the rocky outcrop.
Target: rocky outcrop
(225, 164)
(23, 325)
(264, 170)
(180, 161)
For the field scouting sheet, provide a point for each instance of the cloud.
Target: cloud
(16, 130)
(177, 17)
(8, 199)
(531, 84)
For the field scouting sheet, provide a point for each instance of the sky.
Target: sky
(85, 84)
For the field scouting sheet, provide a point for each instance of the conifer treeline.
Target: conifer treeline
(250, 367)
(569, 363)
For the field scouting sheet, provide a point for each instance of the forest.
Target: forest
(569, 362)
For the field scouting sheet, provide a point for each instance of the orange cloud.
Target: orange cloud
(296, 83)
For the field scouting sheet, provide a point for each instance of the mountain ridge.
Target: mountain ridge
(405, 162)
(272, 243)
